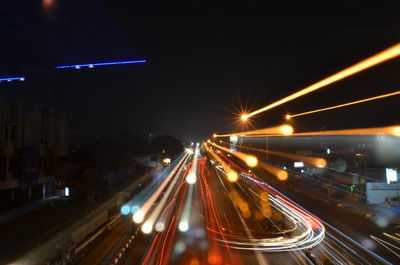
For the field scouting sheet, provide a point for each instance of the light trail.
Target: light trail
(281, 174)
(9, 79)
(390, 130)
(289, 116)
(141, 213)
(192, 176)
(147, 227)
(284, 129)
(315, 161)
(376, 59)
(308, 230)
(190, 179)
(231, 174)
(250, 160)
(91, 65)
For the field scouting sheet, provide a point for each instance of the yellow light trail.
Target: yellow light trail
(381, 57)
(289, 116)
(315, 161)
(281, 174)
(231, 174)
(284, 129)
(250, 160)
(390, 130)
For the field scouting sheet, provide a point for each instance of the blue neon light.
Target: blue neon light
(21, 78)
(91, 65)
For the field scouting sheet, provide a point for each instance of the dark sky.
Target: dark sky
(205, 61)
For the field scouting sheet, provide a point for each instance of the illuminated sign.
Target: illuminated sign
(298, 164)
(66, 191)
(391, 175)
(233, 138)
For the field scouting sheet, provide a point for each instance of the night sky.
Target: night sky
(205, 62)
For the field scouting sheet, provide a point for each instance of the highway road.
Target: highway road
(212, 220)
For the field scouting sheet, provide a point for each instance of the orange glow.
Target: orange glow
(390, 130)
(288, 117)
(281, 174)
(244, 117)
(232, 176)
(284, 129)
(250, 160)
(396, 131)
(230, 173)
(194, 261)
(47, 3)
(345, 104)
(214, 259)
(315, 161)
(381, 57)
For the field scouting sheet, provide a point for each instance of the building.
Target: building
(33, 145)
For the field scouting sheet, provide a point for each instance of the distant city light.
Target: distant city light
(9, 79)
(167, 160)
(92, 65)
(66, 191)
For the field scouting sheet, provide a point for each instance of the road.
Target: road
(247, 221)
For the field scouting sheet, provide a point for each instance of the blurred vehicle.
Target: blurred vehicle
(393, 201)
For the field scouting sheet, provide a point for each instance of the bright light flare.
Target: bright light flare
(251, 161)
(286, 129)
(183, 226)
(191, 178)
(381, 57)
(147, 228)
(138, 217)
(232, 176)
(244, 117)
(396, 131)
